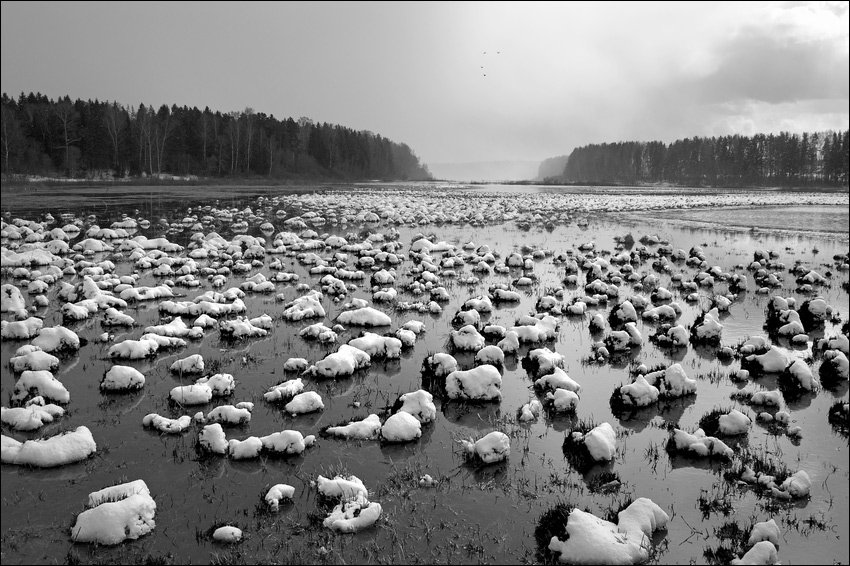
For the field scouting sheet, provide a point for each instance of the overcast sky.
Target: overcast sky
(558, 75)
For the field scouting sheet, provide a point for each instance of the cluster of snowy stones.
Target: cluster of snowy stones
(40, 257)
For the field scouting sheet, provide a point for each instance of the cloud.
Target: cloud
(764, 65)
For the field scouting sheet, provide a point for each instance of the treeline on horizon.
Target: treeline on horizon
(95, 139)
(810, 159)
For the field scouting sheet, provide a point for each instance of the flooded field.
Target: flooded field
(564, 256)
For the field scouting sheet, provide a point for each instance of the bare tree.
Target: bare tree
(162, 128)
(249, 134)
(234, 130)
(68, 116)
(115, 119)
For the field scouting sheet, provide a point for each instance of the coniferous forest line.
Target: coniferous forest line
(810, 159)
(92, 139)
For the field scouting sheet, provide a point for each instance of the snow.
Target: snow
(122, 378)
(467, 338)
(798, 485)
(133, 349)
(56, 338)
(195, 394)
(772, 361)
(306, 402)
(766, 530)
(493, 447)
(189, 364)
(59, 450)
(601, 442)
(21, 329)
(118, 513)
(481, 383)
(307, 306)
(530, 411)
(801, 371)
(675, 382)
(286, 442)
(11, 298)
(295, 364)
(510, 343)
(353, 516)
(366, 429)
(545, 361)
(227, 534)
(733, 423)
(285, 390)
(639, 393)
(558, 379)
(344, 487)
(277, 493)
(44, 385)
(33, 359)
(212, 439)
(343, 362)
(492, 355)
(378, 346)
(366, 316)
(221, 384)
(562, 400)
(699, 444)
(401, 427)
(318, 331)
(166, 425)
(240, 328)
(762, 553)
(229, 414)
(771, 398)
(710, 328)
(591, 540)
(31, 417)
(441, 364)
(420, 404)
(244, 449)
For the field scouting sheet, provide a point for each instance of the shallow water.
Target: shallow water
(477, 513)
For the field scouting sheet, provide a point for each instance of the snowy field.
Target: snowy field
(424, 373)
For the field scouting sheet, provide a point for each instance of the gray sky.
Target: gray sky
(558, 75)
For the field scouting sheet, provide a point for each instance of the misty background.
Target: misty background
(477, 90)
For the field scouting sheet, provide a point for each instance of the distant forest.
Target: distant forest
(816, 159)
(101, 139)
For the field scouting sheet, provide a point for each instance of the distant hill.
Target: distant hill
(485, 171)
(552, 167)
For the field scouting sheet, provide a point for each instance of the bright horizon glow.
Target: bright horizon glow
(558, 75)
